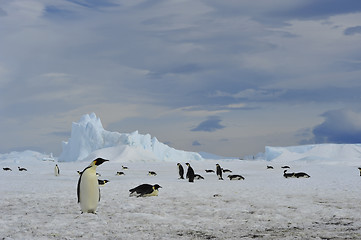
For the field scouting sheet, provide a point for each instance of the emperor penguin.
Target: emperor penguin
(88, 187)
(190, 173)
(145, 190)
(219, 171)
(102, 182)
(56, 170)
(181, 171)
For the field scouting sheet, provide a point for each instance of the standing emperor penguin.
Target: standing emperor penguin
(219, 172)
(88, 187)
(56, 170)
(190, 173)
(180, 171)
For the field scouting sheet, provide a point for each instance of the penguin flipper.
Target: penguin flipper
(78, 189)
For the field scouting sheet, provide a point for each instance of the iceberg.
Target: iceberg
(89, 140)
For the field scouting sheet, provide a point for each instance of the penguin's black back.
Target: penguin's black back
(142, 189)
(190, 174)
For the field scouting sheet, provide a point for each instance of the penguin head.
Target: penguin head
(179, 164)
(188, 164)
(98, 161)
(156, 186)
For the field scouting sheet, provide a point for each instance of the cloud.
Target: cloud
(340, 126)
(196, 143)
(352, 30)
(210, 125)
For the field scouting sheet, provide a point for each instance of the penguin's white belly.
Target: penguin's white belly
(89, 193)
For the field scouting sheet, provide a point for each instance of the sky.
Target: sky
(224, 77)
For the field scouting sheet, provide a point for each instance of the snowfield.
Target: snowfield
(38, 205)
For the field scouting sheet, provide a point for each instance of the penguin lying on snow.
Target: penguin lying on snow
(22, 169)
(88, 187)
(209, 171)
(151, 173)
(7, 169)
(288, 175)
(301, 175)
(102, 182)
(119, 173)
(235, 177)
(124, 167)
(144, 190)
(198, 177)
(226, 170)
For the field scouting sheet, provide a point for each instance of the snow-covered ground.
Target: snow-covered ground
(38, 205)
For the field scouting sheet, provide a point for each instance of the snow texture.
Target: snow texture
(36, 204)
(89, 140)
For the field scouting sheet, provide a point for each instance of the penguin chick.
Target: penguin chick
(145, 190)
(88, 187)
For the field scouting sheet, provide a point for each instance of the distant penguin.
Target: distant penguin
(145, 190)
(198, 177)
(301, 175)
(190, 173)
(56, 170)
(226, 170)
(120, 173)
(209, 171)
(180, 171)
(288, 175)
(124, 167)
(284, 167)
(102, 182)
(269, 167)
(151, 173)
(21, 169)
(219, 171)
(235, 177)
(7, 169)
(88, 187)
